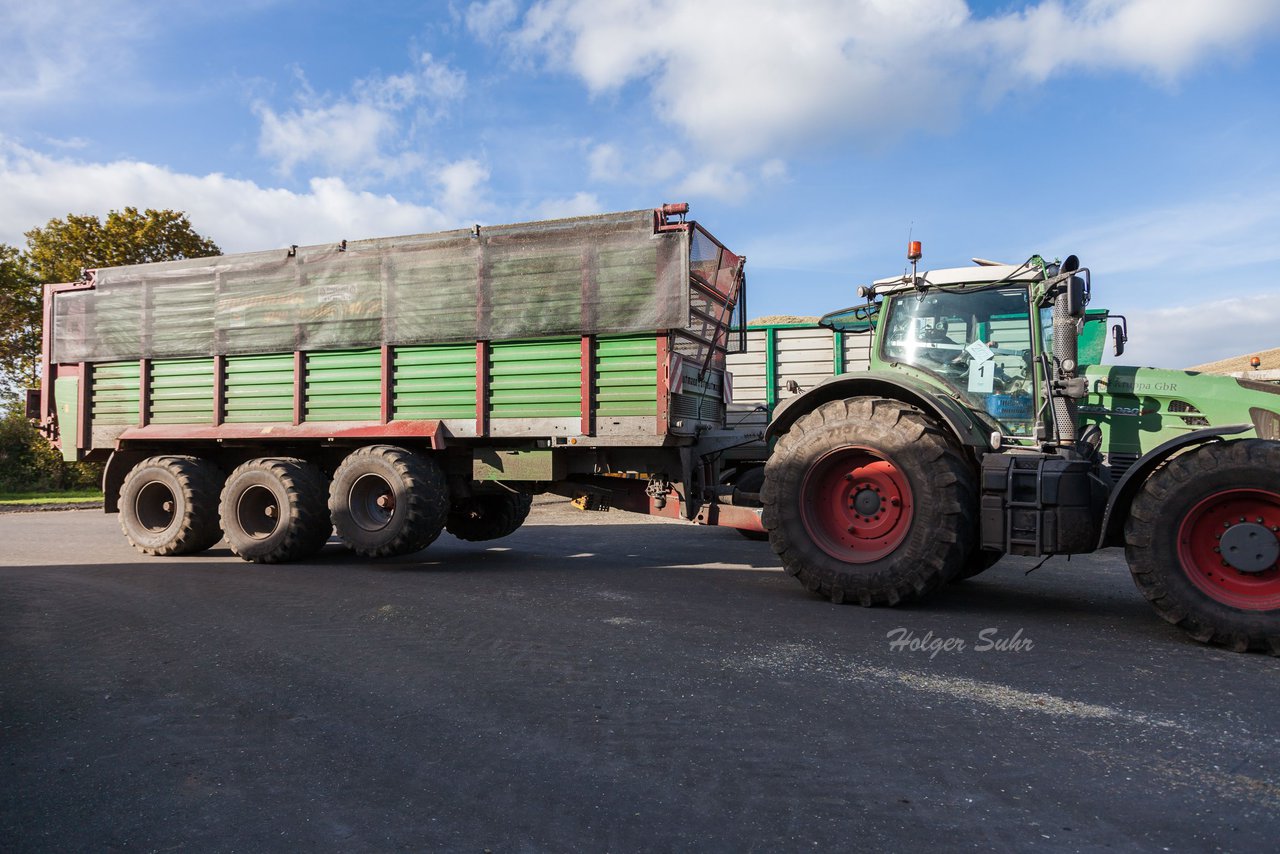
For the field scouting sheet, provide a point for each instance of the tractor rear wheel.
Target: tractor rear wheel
(868, 500)
(169, 505)
(273, 510)
(1203, 543)
(488, 517)
(388, 501)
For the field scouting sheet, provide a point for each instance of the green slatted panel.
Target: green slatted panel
(181, 391)
(344, 385)
(434, 382)
(259, 389)
(626, 376)
(115, 393)
(536, 379)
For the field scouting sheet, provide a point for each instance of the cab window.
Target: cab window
(978, 342)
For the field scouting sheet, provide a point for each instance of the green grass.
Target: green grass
(11, 498)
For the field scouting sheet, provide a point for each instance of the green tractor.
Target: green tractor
(977, 433)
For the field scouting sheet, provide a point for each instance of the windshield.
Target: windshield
(979, 343)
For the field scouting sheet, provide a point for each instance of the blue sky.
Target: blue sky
(1138, 134)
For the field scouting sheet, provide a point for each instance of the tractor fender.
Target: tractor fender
(1127, 489)
(967, 430)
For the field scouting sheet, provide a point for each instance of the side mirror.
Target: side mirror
(1119, 337)
(1077, 295)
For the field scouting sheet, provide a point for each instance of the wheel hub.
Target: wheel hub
(372, 502)
(857, 504)
(257, 512)
(1228, 548)
(154, 507)
(1250, 547)
(866, 501)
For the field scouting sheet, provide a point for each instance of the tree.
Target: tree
(19, 320)
(62, 248)
(59, 250)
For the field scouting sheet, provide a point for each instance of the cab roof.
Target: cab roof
(976, 275)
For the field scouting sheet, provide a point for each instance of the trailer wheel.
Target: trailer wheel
(868, 500)
(169, 505)
(488, 517)
(388, 501)
(273, 510)
(1203, 543)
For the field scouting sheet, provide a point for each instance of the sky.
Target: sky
(813, 137)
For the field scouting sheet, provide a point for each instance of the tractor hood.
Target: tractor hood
(1139, 408)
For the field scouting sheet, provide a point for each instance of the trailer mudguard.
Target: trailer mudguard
(119, 464)
(1124, 492)
(962, 423)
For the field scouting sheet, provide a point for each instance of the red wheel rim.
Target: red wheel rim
(856, 504)
(1200, 547)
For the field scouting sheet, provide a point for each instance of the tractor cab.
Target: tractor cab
(983, 335)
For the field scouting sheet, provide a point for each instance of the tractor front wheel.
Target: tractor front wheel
(868, 500)
(1203, 543)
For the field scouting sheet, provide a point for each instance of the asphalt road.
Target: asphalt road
(605, 682)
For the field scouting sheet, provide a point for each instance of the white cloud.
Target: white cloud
(773, 170)
(1173, 242)
(717, 181)
(367, 133)
(239, 215)
(1194, 277)
(57, 48)
(611, 163)
(579, 204)
(428, 79)
(1162, 37)
(605, 162)
(1193, 335)
(743, 78)
(486, 20)
(345, 138)
(462, 186)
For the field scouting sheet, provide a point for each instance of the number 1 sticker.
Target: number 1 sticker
(982, 377)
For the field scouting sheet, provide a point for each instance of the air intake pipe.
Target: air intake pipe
(1067, 388)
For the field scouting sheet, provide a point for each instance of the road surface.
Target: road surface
(605, 682)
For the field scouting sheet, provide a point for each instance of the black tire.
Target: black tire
(1182, 528)
(978, 562)
(849, 461)
(751, 480)
(387, 501)
(488, 517)
(273, 510)
(169, 505)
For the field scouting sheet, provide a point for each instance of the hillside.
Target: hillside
(1270, 362)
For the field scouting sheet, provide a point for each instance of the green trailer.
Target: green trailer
(397, 387)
